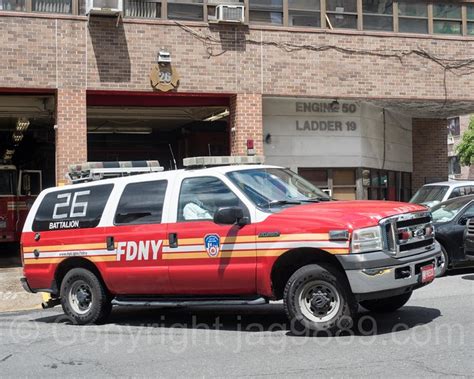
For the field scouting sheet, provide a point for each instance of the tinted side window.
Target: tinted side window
(72, 209)
(469, 212)
(141, 203)
(201, 197)
(455, 193)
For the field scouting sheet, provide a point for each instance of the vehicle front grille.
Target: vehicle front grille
(470, 227)
(408, 234)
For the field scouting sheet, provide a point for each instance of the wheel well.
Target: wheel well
(75, 262)
(293, 260)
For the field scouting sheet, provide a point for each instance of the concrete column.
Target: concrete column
(430, 151)
(246, 123)
(71, 130)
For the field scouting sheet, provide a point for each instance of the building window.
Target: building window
(454, 127)
(52, 6)
(413, 17)
(344, 184)
(342, 13)
(13, 5)
(143, 9)
(192, 10)
(454, 167)
(378, 15)
(447, 19)
(470, 19)
(266, 11)
(304, 13)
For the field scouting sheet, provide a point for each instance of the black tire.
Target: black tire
(85, 282)
(388, 304)
(444, 268)
(317, 315)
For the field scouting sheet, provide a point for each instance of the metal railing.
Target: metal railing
(52, 6)
(142, 9)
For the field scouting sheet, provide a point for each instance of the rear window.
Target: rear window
(72, 209)
(141, 203)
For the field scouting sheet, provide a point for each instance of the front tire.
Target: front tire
(389, 304)
(84, 298)
(317, 298)
(444, 263)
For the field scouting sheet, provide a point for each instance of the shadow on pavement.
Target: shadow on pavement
(265, 318)
(468, 277)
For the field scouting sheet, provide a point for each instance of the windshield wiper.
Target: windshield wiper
(279, 202)
(316, 199)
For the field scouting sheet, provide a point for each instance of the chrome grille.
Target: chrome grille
(408, 234)
(470, 227)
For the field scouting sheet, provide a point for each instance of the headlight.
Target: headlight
(366, 239)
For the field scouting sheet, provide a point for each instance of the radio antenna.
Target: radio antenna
(172, 156)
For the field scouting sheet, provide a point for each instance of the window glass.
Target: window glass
(200, 198)
(454, 126)
(446, 11)
(141, 203)
(72, 208)
(447, 27)
(429, 194)
(192, 10)
(469, 212)
(266, 11)
(378, 14)
(470, 11)
(456, 192)
(7, 182)
(412, 9)
(446, 211)
(12, 5)
(413, 17)
(143, 9)
(342, 13)
(470, 28)
(304, 13)
(52, 6)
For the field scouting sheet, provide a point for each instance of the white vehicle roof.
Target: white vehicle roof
(452, 183)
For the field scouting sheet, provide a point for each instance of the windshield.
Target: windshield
(429, 194)
(7, 182)
(447, 211)
(275, 187)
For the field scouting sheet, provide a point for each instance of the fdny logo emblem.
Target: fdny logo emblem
(212, 243)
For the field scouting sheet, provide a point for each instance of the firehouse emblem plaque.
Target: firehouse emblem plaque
(164, 77)
(212, 243)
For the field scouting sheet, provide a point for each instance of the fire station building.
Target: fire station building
(352, 94)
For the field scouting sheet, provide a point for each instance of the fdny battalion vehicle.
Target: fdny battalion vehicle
(224, 230)
(17, 193)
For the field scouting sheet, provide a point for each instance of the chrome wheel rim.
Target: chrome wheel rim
(319, 301)
(444, 262)
(80, 297)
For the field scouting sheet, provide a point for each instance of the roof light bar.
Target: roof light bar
(91, 171)
(222, 161)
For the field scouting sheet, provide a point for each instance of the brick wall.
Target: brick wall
(246, 123)
(45, 52)
(430, 151)
(71, 131)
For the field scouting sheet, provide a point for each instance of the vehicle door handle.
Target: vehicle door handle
(173, 240)
(110, 243)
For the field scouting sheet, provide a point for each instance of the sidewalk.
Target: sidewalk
(12, 295)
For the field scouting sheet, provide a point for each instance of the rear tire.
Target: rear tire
(388, 304)
(83, 297)
(318, 298)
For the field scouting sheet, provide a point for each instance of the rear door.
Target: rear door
(137, 236)
(203, 257)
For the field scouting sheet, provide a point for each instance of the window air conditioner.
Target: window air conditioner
(104, 7)
(230, 13)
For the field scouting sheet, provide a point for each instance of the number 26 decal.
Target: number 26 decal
(77, 208)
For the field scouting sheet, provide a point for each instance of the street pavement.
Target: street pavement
(430, 337)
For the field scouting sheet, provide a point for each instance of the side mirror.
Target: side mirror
(230, 216)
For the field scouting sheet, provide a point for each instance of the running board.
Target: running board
(169, 303)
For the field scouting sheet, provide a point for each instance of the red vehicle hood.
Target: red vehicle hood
(342, 214)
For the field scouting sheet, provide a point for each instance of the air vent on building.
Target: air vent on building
(230, 13)
(104, 7)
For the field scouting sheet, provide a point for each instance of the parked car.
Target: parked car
(469, 241)
(435, 193)
(450, 219)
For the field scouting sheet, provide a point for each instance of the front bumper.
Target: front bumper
(379, 272)
(26, 286)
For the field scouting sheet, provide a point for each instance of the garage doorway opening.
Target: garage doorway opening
(27, 137)
(156, 127)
